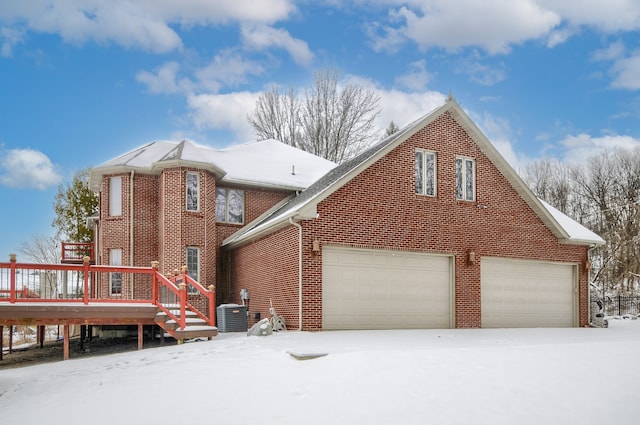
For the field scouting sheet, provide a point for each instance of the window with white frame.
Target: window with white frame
(193, 266)
(425, 172)
(229, 206)
(465, 179)
(115, 278)
(115, 196)
(193, 192)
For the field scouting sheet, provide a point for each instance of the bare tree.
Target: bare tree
(604, 195)
(276, 117)
(44, 250)
(330, 121)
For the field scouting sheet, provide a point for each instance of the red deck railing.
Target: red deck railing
(91, 284)
(74, 252)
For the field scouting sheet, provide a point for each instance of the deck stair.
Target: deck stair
(195, 326)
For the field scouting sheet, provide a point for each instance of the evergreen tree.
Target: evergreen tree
(73, 204)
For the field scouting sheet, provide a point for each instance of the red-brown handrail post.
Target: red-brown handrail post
(212, 307)
(85, 261)
(12, 294)
(183, 304)
(185, 295)
(154, 281)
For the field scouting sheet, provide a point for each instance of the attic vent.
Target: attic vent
(293, 170)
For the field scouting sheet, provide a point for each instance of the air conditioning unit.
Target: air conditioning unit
(232, 318)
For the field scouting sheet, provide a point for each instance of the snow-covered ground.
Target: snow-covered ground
(463, 376)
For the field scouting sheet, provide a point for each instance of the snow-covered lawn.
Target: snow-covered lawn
(474, 376)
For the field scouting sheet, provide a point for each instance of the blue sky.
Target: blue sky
(84, 81)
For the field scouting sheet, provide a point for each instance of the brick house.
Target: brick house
(429, 228)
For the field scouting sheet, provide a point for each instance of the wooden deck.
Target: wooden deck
(43, 294)
(65, 314)
(43, 313)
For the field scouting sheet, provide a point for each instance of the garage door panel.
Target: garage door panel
(521, 293)
(378, 289)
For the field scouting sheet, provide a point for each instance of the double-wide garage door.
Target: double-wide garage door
(521, 293)
(379, 289)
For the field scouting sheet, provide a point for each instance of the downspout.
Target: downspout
(589, 315)
(299, 271)
(131, 209)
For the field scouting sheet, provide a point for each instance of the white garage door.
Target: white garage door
(378, 289)
(522, 294)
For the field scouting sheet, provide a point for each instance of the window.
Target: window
(425, 170)
(193, 192)
(115, 278)
(465, 179)
(229, 206)
(193, 266)
(115, 196)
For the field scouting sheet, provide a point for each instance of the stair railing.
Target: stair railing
(176, 286)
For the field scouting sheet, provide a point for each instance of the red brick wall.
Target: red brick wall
(145, 228)
(379, 209)
(257, 201)
(163, 228)
(114, 233)
(268, 268)
(180, 228)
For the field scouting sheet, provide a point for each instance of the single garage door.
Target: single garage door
(379, 289)
(525, 294)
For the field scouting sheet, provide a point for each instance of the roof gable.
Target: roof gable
(304, 205)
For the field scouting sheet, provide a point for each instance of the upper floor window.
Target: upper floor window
(115, 196)
(193, 266)
(229, 206)
(465, 179)
(425, 170)
(193, 192)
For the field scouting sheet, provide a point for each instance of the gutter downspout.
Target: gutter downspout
(589, 315)
(131, 210)
(299, 271)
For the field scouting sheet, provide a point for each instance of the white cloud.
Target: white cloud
(417, 78)
(226, 69)
(627, 73)
(9, 37)
(223, 112)
(494, 25)
(608, 16)
(164, 79)
(262, 37)
(625, 70)
(499, 131)
(27, 168)
(615, 50)
(559, 36)
(497, 25)
(405, 107)
(577, 148)
(144, 24)
(479, 72)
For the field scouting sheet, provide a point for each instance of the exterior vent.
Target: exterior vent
(232, 318)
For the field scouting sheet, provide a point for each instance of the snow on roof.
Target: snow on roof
(266, 163)
(577, 232)
(273, 163)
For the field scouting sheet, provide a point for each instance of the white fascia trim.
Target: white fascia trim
(158, 167)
